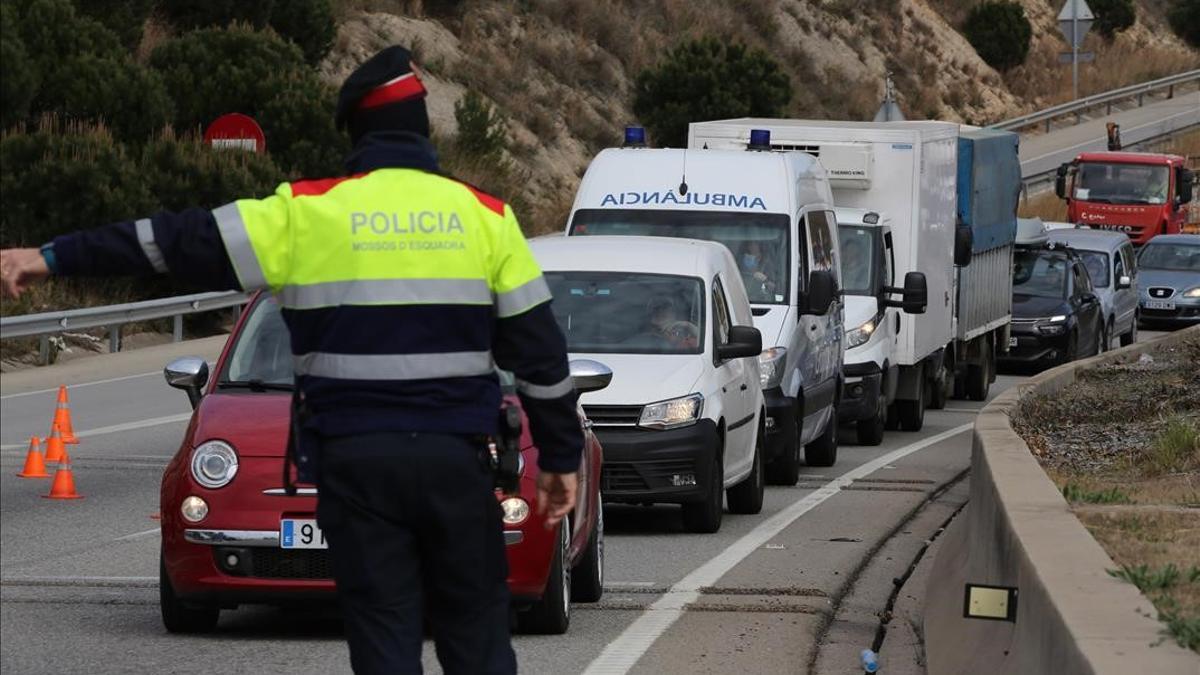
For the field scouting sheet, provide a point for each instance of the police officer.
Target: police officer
(402, 289)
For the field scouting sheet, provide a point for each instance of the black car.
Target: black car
(1056, 315)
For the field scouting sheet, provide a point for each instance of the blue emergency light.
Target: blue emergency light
(760, 139)
(635, 137)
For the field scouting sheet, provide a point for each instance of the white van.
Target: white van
(774, 211)
(681, 421)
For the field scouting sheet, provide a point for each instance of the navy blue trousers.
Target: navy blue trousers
(414, 530)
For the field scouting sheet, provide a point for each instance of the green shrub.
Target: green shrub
(52, 32)
(1073, 492)
(308, 23)
(125, 18)
(1175, 449)
(1112, 16)
(1184, 16)
(188, 15)
(183, 172)
(481, 128)
(298, 123)
(62, 177)
(706, 79)
(18, 72)
(128, 98)
(1000, 32)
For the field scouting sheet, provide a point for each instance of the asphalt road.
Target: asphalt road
(793, 589)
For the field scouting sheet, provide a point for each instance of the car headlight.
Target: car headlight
(214, 464)
(1192, 292)
(514, 510)
(771, 364)
(860, 335)
(1054, 325)
(672, 414)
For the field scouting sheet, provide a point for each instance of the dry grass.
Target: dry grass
(1045, 205)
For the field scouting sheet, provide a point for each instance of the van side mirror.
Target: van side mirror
(1186, 183)
(744, 342)
(189, 373)
(915, 294)
(822, 289)
(964, 241)
(588, 375)
(1060, 180)
(1124, 282)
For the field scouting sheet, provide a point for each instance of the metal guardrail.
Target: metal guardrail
(113, 317)
(1108, 98)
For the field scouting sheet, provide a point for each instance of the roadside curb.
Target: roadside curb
(1018, 531)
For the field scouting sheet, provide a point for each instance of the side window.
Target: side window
(1082, 284)
(1130, 259)
(720, 314)
(822, 242)
(889, 261)
(1118, 265)
(802, 251)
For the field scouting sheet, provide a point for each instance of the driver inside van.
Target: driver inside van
(666, 323)
(753, 265)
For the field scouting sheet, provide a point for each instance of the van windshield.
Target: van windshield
(629, 313)
(858, 264)
(759, 241)
(1041, 274)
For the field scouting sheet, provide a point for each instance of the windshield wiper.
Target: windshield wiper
(254, 385)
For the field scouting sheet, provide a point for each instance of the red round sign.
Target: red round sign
(235, 130)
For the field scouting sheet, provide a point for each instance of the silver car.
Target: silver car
(1170, 282)
(1111, 264)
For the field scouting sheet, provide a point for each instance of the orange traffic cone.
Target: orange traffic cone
(55, 450)
(62, 416)
(64, 482)
(35, 465)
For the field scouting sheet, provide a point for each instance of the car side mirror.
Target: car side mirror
(189, 373)
(964, 241)
(1060, 180)
(822, 289)
(744, 342)
(1124, 282)
(1186, 183)
(589, 375)
(915, 294)
(1089, 298)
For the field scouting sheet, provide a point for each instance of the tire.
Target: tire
(1072, 352)
(912, 413)
(979, 378)
(785, 469)
(1105, 340)
(870, 430)
(704, 517)
(1132, 336)
(587, 579)
(177, 616)
(747, 496)
(940, 387)
(551, 614)
(824, 448)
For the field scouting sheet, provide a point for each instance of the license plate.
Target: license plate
(1160, 304)
(300, 533)
(1012, 342)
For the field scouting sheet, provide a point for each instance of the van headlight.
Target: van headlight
(771, 365)
(860, 335)
(672, 414)
(214, 464)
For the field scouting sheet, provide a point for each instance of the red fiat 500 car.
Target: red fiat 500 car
(231, 535)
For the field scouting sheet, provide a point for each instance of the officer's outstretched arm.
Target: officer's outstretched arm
(529, 343)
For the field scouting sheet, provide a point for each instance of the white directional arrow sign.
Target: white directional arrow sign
(1075, 20)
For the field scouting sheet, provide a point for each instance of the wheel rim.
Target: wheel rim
(600, 547)
(564, 542)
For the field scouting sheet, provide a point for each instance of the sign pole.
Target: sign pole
(1074, 51)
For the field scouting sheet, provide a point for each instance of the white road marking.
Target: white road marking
(138, 535)
(621, 654)
(76, 581)
(973, 411)
(617, 585)
(117, 428)
(82, 384)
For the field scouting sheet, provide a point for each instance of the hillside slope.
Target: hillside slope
(561, 71)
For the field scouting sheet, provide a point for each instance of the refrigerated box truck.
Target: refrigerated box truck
(950, 196)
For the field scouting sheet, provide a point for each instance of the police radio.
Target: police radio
(505, 451)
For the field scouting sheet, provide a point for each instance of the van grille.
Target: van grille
(613, 415)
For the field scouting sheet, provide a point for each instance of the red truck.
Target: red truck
(1140, 194)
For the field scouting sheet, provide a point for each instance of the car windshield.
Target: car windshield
(1122, 183)
(1097, 266)
(1170, 256)
(858, 266)
(629, 313)
(263, 351)
(1040, 273)
(759, 241)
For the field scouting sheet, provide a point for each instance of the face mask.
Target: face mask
(749, 260)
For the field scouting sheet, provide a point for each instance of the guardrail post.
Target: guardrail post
(1141, 99)
(1047, 125)
(1108, 108)
(177, 328)
(1171, 91)
(43, 349)
(114, 338)
(1078, 117)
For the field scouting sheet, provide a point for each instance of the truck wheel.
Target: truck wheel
(870, 430)
(587, 579)
(824, 448)
(704, 517)
(912, 413)
(979, 378)
(178, 616)
(551, 614)
(747, 496)
(1132, 336)
(785, 469)
(940, 387)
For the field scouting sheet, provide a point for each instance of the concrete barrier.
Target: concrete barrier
(1017, 531)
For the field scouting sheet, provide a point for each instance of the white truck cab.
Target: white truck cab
(681, 421)
(774, 212)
